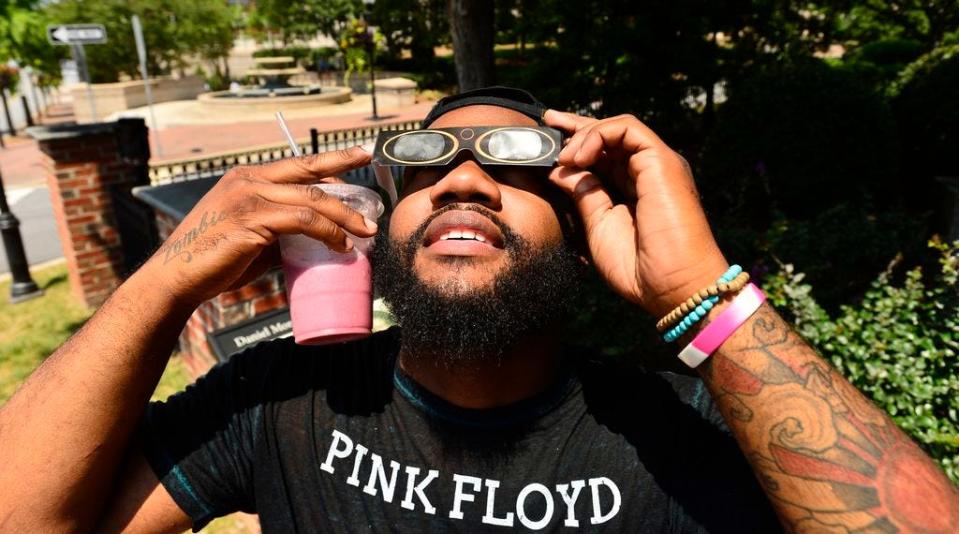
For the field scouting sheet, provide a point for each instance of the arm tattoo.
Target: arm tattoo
(179, 247)
(827, 458)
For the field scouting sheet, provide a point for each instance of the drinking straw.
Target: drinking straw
(289, 137)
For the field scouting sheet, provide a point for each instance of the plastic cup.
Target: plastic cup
(331, 293)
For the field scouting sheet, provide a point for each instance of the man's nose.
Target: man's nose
(466, 182)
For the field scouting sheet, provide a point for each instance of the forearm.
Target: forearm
(64, 433)
(824, 454)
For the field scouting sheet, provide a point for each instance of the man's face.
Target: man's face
(465, 198)
(475, 257)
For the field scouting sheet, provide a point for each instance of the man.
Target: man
(472, 417)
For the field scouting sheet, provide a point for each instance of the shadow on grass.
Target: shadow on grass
(56, 280)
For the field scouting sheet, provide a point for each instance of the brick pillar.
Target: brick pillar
(85, 166)
(263, 295)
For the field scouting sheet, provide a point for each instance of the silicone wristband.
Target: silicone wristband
(706, 342)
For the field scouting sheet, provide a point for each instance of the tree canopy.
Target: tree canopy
(173, 30)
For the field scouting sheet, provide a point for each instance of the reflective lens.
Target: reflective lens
(419, 146)
(515, 145)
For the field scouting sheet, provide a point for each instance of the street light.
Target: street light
(22, 287)
(371, 42)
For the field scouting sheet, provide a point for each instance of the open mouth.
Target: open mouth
(463, 233)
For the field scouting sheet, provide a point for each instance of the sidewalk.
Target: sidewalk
(20, 161)
(183, 141)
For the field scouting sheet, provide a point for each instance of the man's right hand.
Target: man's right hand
(228, 238)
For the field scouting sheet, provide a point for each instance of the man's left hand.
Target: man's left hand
(646, 230)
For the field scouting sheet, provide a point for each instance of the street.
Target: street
(37, 226)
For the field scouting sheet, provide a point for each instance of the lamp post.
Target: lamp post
(23, 286)
(371, 43)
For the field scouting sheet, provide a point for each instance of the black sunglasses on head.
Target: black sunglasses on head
(490, 145)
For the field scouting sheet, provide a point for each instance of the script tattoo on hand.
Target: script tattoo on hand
(827, 458)
(179, 248)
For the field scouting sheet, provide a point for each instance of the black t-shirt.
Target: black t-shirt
(338, 439)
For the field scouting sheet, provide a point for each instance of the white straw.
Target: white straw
(289, 137)
(384, 177)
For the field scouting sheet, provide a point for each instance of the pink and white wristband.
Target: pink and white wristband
(715, 333)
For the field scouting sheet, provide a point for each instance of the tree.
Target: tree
(471, 26)
(173, 30)
(416, 25)
(302, 19)
(23, 39)
(929, 22)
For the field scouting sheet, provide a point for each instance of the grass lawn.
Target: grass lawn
(32, 330)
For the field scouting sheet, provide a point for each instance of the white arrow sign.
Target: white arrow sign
(76, 34)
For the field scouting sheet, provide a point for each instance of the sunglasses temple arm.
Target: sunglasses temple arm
(384, 177)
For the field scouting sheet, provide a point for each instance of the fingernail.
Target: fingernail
(349, 244)
(370, 225)
(368, 148)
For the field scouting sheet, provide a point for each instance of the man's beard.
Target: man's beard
(536, 288)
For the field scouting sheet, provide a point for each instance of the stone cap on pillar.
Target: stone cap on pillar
(55, 132)
(175, 200)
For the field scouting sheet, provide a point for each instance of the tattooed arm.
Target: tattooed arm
(66, 432)
(827, 458)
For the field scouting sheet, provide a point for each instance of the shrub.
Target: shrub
(299, 53)
(800, 137)
(899, 346)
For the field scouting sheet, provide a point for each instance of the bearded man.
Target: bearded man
(472, 415)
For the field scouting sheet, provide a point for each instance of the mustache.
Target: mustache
(510, 238)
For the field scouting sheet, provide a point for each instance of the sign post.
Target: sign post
(77, 35)
(142, 54)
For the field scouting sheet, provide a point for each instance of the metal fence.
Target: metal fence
(215, 165)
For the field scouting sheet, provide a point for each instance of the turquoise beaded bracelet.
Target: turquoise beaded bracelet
(700, 311)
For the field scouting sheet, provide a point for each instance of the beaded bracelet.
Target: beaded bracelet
(702, 296)
(706, 304)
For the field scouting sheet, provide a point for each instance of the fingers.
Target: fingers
(273, 219)
(587, 192)
(305, 169)
(313, 197)
(569, 122)
(625, 132)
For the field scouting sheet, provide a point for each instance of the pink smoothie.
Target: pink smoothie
(330, 302)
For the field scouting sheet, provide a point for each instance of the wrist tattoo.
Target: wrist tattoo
(179, 248)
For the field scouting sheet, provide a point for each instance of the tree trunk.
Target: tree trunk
(471, 26)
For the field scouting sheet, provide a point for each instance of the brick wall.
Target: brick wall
(83, 164)
(265, 294)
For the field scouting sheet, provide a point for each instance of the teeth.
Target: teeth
(462, 234)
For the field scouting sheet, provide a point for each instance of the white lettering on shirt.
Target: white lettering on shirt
(521, 506)
(467, 487)
(338, 437)
(489, 518)
(598, 516)
(459, 496)
(354, 479)
(412, 487)
(379, 474)
(570, 500)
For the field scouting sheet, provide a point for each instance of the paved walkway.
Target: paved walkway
(20, 161)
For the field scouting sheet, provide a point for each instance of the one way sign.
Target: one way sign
(76, 34)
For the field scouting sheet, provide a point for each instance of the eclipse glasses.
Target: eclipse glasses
(490, 145)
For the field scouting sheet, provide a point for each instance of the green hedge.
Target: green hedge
(899, 345)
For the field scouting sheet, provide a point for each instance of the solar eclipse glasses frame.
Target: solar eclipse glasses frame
(490, 145)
